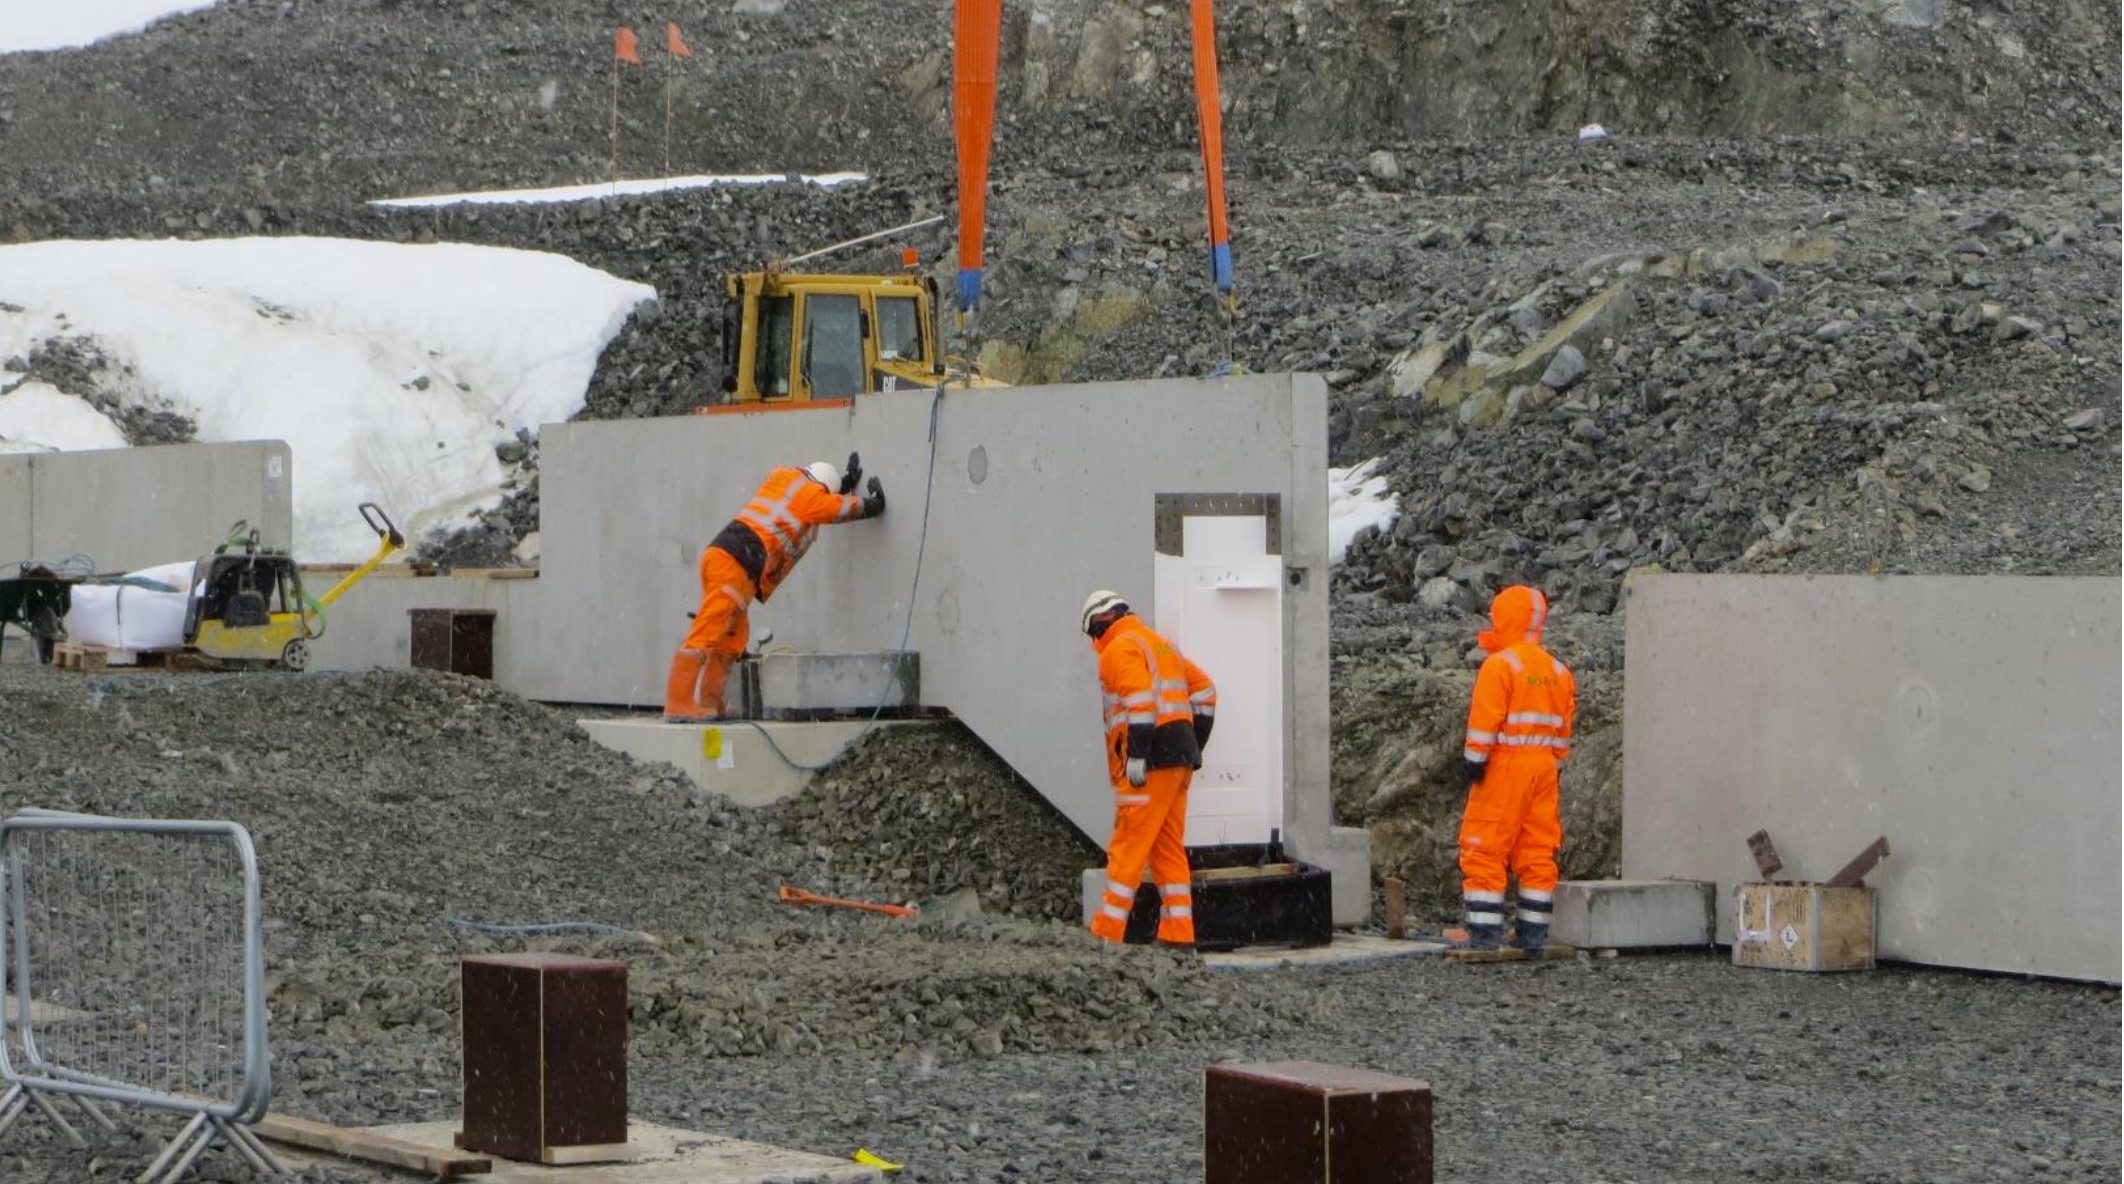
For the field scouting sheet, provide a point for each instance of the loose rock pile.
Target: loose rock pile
(385, 803)
(928, 811)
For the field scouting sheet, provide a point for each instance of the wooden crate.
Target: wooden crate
(1803, 927)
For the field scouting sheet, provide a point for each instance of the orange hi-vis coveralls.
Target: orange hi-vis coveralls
(1519, 728)
(1159, 709)
(750, 558)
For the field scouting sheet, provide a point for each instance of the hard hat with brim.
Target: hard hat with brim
(1098, 604)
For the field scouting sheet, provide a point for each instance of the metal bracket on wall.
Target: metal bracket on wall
(1172, 508)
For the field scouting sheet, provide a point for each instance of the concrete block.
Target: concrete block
(1634, 914)
(735, 759)
(803, 686)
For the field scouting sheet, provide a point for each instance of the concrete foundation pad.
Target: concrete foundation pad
(664, 1155)
(1346, 948)
(1634, 914)
(734, 757)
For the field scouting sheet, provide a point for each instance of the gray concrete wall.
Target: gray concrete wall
(1035, 505)
(130, 508)
(1974, 721)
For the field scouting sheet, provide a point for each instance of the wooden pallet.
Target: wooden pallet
(96, 659)
(1547, 952)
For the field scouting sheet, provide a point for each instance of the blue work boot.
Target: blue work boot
(1530, 935)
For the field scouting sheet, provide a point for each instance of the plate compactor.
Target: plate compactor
(250, 609)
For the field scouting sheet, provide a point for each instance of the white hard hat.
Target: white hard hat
(825, 472)
(1098, 604)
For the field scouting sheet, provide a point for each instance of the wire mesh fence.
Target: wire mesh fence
(135, 975)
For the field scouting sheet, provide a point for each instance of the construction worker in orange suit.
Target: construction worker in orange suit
(750, 559)
(1519, 731)
(1159, 709)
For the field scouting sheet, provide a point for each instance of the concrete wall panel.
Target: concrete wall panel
(1036, 503)
(131, 508)
(1974, 721)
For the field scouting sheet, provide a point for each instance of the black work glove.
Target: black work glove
(873, 499)
(852, 475)
(1474, 770)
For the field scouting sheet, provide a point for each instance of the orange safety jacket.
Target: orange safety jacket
(778, 525)
(1158, 705)
(1525, 700)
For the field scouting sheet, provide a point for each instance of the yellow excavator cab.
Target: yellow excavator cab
(794, 338)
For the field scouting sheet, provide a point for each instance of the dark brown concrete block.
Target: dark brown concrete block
(1302, 1122)
(545, 1039)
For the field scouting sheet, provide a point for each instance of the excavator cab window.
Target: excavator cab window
(770, 358)
(833, 346)
(899, 329)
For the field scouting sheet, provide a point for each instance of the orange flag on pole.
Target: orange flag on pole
(674, 42)
(623, 47)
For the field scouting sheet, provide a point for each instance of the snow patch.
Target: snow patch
(391, 370)
(31, 26)
(1357, 497)
(39, 417)
(615, 189)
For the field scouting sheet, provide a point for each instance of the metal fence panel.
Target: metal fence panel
(135, 972)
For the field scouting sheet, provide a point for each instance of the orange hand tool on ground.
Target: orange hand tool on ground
(799, 896)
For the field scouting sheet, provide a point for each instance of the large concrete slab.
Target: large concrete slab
(1041, 494)
(130, 508)
(665, 1155)
(1974, 721)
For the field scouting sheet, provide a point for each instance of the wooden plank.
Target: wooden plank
(1547, 952)
(589, 1153)
(370, 1147)
(1247, 873)
(1397, 908)
(1854, 873)
(1765, 852)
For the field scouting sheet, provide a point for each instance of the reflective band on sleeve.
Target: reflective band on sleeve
(1535, 717)
(1206, 709)
(1472, 755)
(1475, 737)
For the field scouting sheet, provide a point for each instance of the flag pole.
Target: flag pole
(613, 171)
(667, 124)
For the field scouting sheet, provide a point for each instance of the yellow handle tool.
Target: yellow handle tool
(871, 1161)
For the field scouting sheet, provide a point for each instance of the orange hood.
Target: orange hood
(1516, 615)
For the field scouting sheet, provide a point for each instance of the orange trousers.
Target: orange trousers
(1150, 825)
(1511, 824)
(717, 639)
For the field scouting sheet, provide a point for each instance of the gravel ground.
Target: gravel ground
(986, 1048)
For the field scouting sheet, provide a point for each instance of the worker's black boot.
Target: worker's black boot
(1483, 937)
(1530, 935)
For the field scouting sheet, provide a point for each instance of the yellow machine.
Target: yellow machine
(251, 610)
(791, 337)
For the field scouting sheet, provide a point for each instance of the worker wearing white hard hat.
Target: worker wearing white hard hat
(750, 558)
